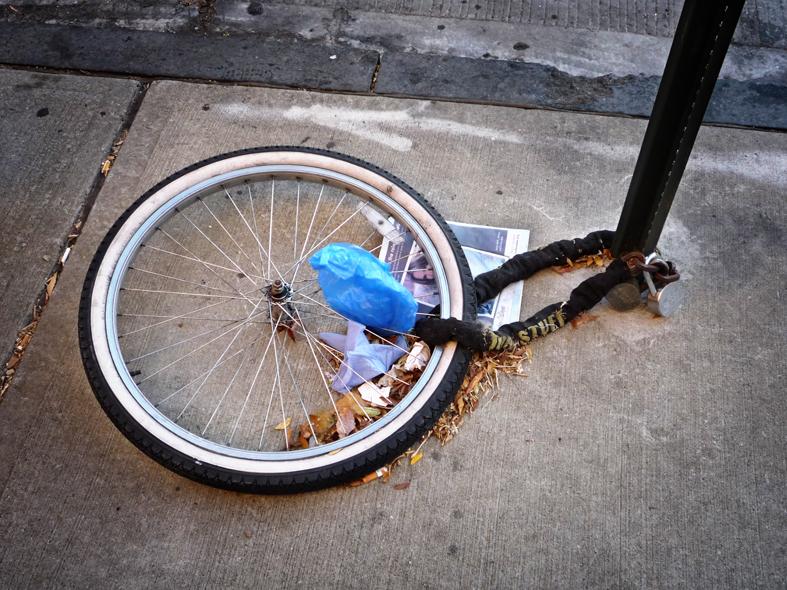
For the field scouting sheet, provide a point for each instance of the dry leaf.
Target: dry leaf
(418, 357)
(283, 425)
(23, 340)
(402, 486)
(50, 285)
(358, 405)
(346, 423)
(475, 380)
(304, 432)
(416, 457)
(105, 166)
(377, 396)
(323, 422)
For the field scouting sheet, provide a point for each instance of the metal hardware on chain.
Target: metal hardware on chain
(667, 298)
(625, 296)
(662, 299)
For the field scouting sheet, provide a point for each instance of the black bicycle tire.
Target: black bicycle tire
(340, 472)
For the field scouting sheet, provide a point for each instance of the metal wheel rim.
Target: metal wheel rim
(188, 195)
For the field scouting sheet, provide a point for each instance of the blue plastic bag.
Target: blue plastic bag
(361, 288)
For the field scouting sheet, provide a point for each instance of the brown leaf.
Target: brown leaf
(50, 285)
(346, 423)
(288, 329)
(354, 402)
(24, 339)
(475, 381)
(322, 422)
(402, 486)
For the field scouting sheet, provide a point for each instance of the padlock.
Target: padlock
(667, 300)
(625, 296)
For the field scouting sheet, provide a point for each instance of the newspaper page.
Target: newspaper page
(485, 248)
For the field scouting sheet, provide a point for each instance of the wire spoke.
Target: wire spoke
(299, 262)
(253, 234)
(253, 383)
(209, 268)
(297, 219)
(199, 388)
(330, 217)
(365, 328)
(399, 233)
(343, 382)
(198, 377)
(229, 235)
(319, 369)
(226, 390)
(330, 350)
(195, 283)
(256, 230)
(170, 318)
(371, 235)
(212, 243)
(178, 343)
(276, 383)
(297, 389)
(199, 319)
(203, 262)
(270, 234)
(309, 230)
(184, 293)
(212, 340)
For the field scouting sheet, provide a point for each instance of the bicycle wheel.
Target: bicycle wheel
(200, 321)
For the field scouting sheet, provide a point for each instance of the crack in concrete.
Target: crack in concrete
(376, 73)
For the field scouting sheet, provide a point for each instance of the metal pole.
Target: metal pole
(701, 40)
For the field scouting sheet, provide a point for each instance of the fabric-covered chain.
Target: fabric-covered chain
(476, 337)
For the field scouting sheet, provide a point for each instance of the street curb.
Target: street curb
(254, 58)
(247, 58)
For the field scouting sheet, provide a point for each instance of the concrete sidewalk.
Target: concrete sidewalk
(54, 133)
(638, 453)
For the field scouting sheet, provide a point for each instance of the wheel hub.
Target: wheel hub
(278, 292)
